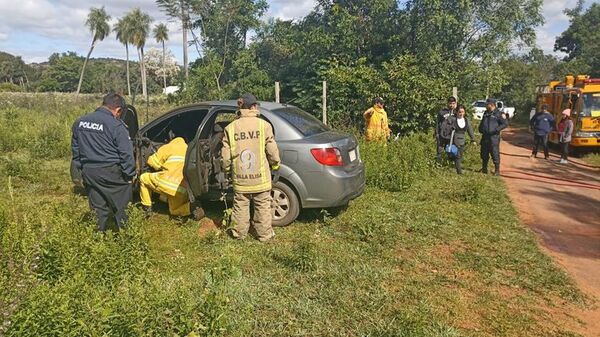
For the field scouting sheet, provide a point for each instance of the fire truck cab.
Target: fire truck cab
(581, 94)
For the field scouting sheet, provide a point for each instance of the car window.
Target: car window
(304, 122)
(479, 104)
(184, 124)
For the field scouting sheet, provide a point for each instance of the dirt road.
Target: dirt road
(561, 204)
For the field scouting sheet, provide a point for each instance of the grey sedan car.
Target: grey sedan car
(320, 168)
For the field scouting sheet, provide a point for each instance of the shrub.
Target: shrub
(397, 165)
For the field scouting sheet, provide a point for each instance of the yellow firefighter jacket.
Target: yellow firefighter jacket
(248, 149)
(169, 161)
(377, 124)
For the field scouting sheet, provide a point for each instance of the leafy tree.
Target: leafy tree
(14, 70)
(140, 29)
(223, 28)
(97, 22)
(181, 9)
(526, 72)
(581, 41)
(62, 73)
(161, 34)
(124, 35)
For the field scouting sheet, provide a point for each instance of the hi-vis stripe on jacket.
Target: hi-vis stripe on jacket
(248, 149)
(169, 161)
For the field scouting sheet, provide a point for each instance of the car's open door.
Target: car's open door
(198, 169)
(130, 118)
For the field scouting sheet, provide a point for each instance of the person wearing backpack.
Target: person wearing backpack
(541, 124)
(461, 125)
(444, 127)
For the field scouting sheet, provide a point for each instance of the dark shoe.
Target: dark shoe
(147, 211)
(533, 155)
(198, 213)
(484, 170)
(497, 172)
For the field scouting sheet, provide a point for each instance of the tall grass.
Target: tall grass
(423, 252)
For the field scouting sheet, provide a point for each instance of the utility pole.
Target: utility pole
(276, 92)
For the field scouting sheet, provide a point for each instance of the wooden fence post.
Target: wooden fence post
(324, 102)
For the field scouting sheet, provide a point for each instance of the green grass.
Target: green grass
(592, 159)
(423, 252)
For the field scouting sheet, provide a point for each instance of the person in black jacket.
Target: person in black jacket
(103, 152)
(442, 115)
(492, 123)
(541, 124)
(462, 125)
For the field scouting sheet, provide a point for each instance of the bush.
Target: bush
(398, 164)
(10, 87)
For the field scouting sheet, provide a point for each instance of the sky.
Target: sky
(34, 29)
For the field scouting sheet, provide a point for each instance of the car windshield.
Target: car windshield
(479, 104)
(307, 124)
(591, 105)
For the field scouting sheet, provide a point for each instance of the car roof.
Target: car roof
(263, 104)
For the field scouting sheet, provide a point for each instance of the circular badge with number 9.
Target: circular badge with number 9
(248, 161)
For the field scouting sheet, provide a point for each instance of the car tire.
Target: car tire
(284, 204)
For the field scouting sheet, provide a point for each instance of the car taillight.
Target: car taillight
(328, 156)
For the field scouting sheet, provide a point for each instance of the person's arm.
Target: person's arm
(470, 130)
(569, 129)
(502, 123)
(75, 146)
(271, 148)
(226, 153)
(157, 159)
(367, 114)
(125, 150)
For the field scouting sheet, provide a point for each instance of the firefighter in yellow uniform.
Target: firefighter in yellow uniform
(249, 151)
(376, 121)
(168, 161)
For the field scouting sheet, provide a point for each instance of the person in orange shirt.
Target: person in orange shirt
(376, 121)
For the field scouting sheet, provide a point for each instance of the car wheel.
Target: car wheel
(285, 206)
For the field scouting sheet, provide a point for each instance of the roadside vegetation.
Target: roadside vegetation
(423, 252)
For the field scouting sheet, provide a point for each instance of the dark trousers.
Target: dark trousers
(564, 147)
(441, 148)
(458, 159)
(540, 141)
(490, 145)
(108, 193)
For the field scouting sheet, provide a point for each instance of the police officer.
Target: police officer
(249, 149)
(103, 151)
(442, 116)
(492, 123)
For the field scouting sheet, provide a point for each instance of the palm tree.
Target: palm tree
(123, 31)
(161, 34)
(180, 9)
(140, 29)
(97, 22)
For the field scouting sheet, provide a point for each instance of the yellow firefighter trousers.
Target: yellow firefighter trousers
(179, 204)
(262, 219)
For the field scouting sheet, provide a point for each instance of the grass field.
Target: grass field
(423, 252)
